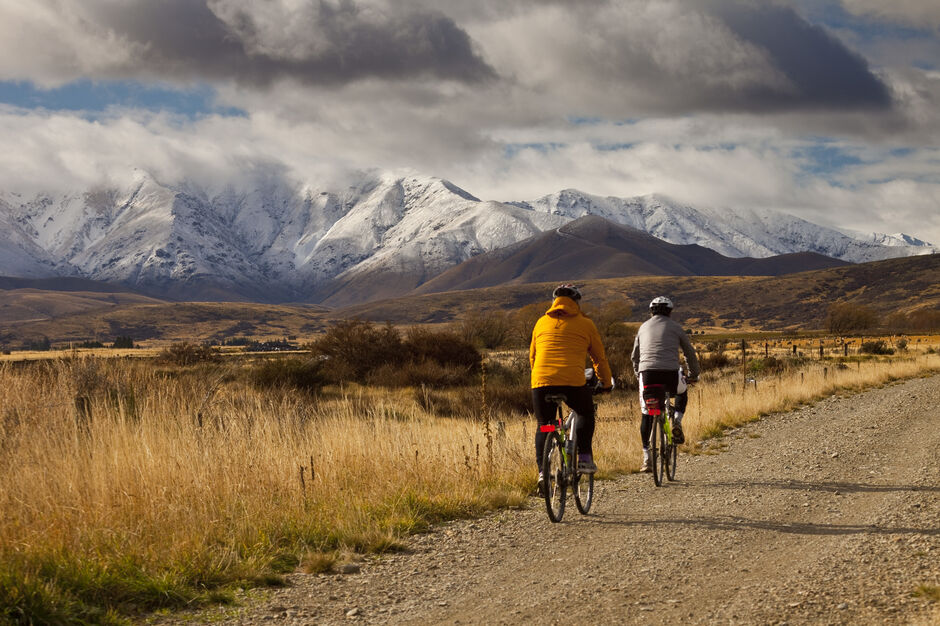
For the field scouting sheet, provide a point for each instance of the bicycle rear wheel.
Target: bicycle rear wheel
(553, 470)
(658, 450)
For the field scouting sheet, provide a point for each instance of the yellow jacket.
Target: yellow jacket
(561, 341)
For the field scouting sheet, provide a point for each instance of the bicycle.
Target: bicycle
(663, 450)
(560, 463)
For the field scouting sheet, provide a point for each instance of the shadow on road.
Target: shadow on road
(805, 485)
(732, 522)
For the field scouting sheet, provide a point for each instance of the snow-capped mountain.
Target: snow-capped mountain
(732, 232)
(277, 241)
(274, 239)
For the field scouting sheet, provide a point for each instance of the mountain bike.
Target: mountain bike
(663, 450)
(560, 463)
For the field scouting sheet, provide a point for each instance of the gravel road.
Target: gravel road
(774, 524)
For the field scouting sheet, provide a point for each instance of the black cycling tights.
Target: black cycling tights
(579, 399)
(646, 429)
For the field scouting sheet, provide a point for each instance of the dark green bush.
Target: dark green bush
(123, 342)
(875, 347)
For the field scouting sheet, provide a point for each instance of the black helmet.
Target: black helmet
(661, 305)
(567, 291)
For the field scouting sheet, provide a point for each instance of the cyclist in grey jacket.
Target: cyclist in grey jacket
(656, 362)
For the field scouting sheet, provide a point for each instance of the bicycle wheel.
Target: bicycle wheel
(671, 457)
(553, 470)
(583, 488)
(658, 450)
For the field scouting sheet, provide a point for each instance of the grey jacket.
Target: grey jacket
(657, 346)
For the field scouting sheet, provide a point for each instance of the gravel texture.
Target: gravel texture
(825, 515)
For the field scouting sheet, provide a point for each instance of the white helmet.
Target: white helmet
(661, 305)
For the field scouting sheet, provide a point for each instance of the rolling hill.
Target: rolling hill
(789, 301)
(592, 247)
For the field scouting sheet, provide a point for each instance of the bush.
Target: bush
(487, 329)
(769, 365)
(442, 347)
(357, 350)
(300, 374)
(846, 317)
(716, 357)
(875, 347)
(123, 343)
(914, 321)
(902, 344)
(417, 374)
(188, 354)
(353, 348)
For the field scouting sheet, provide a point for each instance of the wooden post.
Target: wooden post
(820, 349)
(766, 349)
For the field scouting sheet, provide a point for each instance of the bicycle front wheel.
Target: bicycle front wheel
(553, 471)
(671, 456)
(583, 489)
(658, 450)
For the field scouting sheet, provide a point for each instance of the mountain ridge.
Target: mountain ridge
(274, 239)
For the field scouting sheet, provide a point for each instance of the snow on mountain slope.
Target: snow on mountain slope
(732, 232)
(19, 255)
(270, 238)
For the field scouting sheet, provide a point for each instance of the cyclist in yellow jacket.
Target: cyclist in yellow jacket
(562, 340)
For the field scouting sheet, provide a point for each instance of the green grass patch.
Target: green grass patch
(929, 592)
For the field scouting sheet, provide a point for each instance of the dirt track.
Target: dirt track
(779, 527)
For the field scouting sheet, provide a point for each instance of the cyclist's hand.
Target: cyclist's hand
(691, 381)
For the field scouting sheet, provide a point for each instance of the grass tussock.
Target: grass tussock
(169, 487)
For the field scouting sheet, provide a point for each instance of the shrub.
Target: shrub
(523, 321)
(441, 347)
(846, 317)
(421, 373)
(123, 342)
(875, 347)
(357, 350)
(901, 344)
(716, 358)
(353, 348)
(188, 354)
(769, 365)
(300, 374)
(487, 329)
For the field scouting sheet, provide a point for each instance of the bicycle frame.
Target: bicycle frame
(566, 430)
(655, 410)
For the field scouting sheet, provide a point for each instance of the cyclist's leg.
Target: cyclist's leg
(544, 414)
(682, 401)
(646, 424)
(582, 402)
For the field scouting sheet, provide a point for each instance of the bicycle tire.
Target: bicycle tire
(553, 471)
(583, 488)
(672, 453)
(657, 450)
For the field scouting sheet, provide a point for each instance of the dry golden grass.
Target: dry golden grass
(189, 479)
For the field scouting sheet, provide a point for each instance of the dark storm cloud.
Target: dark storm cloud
(823, 71)
(187, 39)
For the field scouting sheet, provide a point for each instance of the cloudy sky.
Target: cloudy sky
(827, 109)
